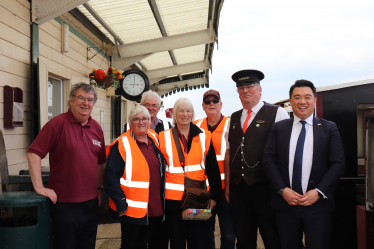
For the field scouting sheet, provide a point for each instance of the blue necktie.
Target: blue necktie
(298, 161)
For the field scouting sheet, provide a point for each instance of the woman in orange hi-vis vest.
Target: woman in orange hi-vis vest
(134, 179)
(200, 161)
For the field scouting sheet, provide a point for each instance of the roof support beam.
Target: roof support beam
(122, 63)
(156, 14)
(166, 43)
(165, 88)
(177, 70)
(45, 10)
(102, 22)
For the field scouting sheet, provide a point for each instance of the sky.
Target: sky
(327, 42)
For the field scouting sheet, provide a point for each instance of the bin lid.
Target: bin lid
(17, 198)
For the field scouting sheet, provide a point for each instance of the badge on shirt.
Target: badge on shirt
(234, 126)
(260, 121)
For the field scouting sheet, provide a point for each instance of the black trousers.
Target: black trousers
(137, 236)
(250, 209)
(182, 231)
(75, 224)
(295, 220)
(160, 238)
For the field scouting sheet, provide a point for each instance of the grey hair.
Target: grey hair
(85, 87)
(180, 102)
(150, 95)
(136, 110)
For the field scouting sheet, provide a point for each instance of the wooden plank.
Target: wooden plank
(63, 60)
(17, 130)
(13, 142)
(15, 37)
(15, 81)
(15, 67)
(12, 51)
(14, 22)
(25, 3)
(80, 57)
(61, 67)
(14, 169)
(55, 23)
(16, 156)
(52, 30)
(77, 25)
(16, 8)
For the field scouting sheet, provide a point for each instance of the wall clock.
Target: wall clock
(134, 84)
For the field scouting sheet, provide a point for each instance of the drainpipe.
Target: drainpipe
(35, 100)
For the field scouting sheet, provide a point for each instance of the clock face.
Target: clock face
(133, 84)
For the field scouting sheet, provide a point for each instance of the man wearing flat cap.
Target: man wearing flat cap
(217, 124)
(248, 189)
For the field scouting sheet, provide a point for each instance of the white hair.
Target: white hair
(150, 95)
(136, 110)
(182, 102)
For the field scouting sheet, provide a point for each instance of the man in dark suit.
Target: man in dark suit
(304, 159)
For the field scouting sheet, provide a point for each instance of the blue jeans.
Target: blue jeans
(228, 238)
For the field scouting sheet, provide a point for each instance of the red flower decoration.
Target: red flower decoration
(100, 74)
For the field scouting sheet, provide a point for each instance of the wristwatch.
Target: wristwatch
(281, 191)
(100, 188)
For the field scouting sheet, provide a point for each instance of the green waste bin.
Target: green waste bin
(25, 221)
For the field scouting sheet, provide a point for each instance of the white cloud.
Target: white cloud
(327, 42)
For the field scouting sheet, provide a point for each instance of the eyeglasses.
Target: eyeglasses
(207, 102)
(137, 120)
(82, 99)
(153, 106)
(248, 87)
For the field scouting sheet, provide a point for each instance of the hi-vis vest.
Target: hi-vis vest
(219, 143)
(194, 162)
(135, 178)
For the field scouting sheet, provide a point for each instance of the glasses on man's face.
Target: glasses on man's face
(137, 120)
(82, 99)
(215, 101)
(152, 106)
(248, 87)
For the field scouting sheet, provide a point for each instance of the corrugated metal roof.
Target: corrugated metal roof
(157, 61)
(135, 21)
(180, 16)
(190, 54)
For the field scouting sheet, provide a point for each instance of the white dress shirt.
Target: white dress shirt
(307, 152)
(281, 114)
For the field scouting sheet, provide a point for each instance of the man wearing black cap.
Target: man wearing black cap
(217, 124)
(248, 190)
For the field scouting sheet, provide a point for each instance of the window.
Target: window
(55, 97)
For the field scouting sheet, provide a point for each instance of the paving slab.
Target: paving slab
(109, 237)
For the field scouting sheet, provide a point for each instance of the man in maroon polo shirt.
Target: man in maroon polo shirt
(76, 147)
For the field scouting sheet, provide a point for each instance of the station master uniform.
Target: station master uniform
(250, 190)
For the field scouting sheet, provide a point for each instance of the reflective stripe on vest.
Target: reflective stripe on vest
(166, 125)
(135, 179)
(194, 160)
(219, 142)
